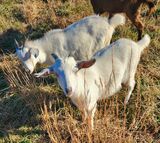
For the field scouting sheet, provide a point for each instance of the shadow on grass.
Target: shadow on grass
(15, 113)
(7, 38)
(7, 44)
(20, 109)
(15, 105)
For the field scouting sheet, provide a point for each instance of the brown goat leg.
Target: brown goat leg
(151, 11)
(136, 20)
(151, 5)
(110, 15)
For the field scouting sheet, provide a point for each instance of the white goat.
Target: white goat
(102, 77)
(80, 40)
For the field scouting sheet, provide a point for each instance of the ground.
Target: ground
(36, 110)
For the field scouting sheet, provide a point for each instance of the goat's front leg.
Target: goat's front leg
(136, 20)
(84, 115)
(90, 117)
(89, 123)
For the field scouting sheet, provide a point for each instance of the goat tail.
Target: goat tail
(144, 42)
(116, 20)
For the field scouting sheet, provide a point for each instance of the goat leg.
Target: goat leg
(136, 20)
(152, 7)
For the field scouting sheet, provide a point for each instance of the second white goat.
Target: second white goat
(80, 40)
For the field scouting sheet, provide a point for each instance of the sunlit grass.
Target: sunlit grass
(36, 110)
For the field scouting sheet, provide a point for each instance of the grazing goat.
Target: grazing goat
(86, 82)
(129, 7)
(93, 32)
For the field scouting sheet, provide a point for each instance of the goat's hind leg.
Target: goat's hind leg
(131, 85)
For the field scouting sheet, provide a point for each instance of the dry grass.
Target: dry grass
(35, 110)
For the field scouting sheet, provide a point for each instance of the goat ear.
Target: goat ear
(17, 45)
(55, 57)
(85, 64)
(34, 52)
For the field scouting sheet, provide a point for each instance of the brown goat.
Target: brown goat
(129, 7)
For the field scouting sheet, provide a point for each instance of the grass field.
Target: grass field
(36, 110)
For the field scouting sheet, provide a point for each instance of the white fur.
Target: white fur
(115, 65)
(80, 40)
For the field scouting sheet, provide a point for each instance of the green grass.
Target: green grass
(36, 111)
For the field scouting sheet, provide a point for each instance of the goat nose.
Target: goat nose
(26, 69)
(68, 90)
